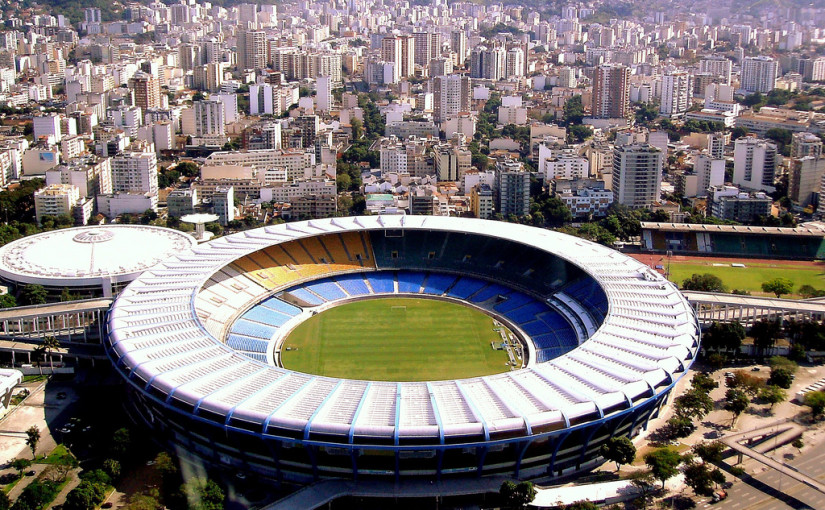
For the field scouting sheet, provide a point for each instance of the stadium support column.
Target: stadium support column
(312, 451)
(520, 455)
(595, 428)
(354, 459)
(560, 439)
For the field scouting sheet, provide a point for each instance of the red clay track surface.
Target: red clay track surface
(657, 259)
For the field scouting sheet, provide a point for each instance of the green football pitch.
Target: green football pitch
(751, 277)
(396, 339)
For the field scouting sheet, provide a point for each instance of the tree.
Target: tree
(7, 301)
(643, 480)
(86, 496)
(62, 467)
(619, 450)
(573, 111)
(765, 332)
(21, 465)
(50, 343)
(663, 463)
(143, 502)
(582, 505)
(798, 443)
(32, 438)
(736, 401)
(188, 169)
(778, 286)
(703, 283)
(594, 232)
(165, 466)
(517, 495)
(203, 494)
(112, 468)
(746, 382)
(357, 128)
(698, 478)
(148, 216)
(703, 382)
(709, 452)
(121, 441)
(781, 377)
(808, 291)
(816, 401)
(772, 395)
(679, 426)
(39, 354)
(694, 403)
(33, 294)
(5, 502)
(578, 133)
(723, 335)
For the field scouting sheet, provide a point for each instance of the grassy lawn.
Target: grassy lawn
(752, 276)
(7, 488)
(54, 457)
(379, 339)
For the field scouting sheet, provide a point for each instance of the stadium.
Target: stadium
(591, 344)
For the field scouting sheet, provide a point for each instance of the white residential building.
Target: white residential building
(759, 74)
(55, 200)
(676, 93)
(754, 164)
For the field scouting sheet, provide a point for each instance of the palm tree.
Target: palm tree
(50, 342)
(39, 352)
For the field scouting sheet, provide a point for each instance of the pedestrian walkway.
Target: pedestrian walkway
(787, 431)
(321, 493)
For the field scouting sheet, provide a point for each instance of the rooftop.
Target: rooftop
(90, 252)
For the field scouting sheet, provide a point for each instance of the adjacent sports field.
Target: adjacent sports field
(396, 339)
(750, 277)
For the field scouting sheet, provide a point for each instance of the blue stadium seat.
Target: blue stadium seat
(306, 296)
(266, 316)
(514, 300)
(549, 353)
(534, 328)
(326, 289)
(243, 343)
(488, 292)
(353, 284)
(437, 284)
(526, 313)
(382, 283)
(281, 306)
(253, 329)
(466, 287)
(410, 281)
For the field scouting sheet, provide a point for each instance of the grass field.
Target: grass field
(751, 276)
(396, 339)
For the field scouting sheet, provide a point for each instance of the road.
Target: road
(768, 490)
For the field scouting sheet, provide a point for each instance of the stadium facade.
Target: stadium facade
(197, 340)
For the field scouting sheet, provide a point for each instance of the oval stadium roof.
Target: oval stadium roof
(85, 255)
(646, 342)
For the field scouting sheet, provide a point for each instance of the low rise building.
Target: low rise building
(729, 203)
(587, 202)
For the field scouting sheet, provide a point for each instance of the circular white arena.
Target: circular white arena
(196, 338)
(93, 260)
